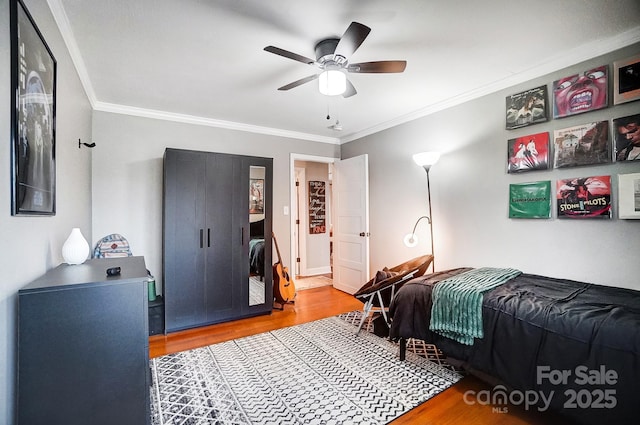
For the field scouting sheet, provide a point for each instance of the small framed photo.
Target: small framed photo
(528, 153)
(580, 93)
(256, 196)
(530, 200)
(626, 131)
(626, 80)
(526, 108)
(585, 144)
(33, 114)
(584, 197)
(629, 196)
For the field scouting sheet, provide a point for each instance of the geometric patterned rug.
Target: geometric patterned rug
(416, 346)
(315, 373)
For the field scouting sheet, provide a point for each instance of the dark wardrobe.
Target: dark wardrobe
(217, 222)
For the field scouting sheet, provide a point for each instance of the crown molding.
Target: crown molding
(560, 61)
(209, 122)
(62, 21)
(60, 16)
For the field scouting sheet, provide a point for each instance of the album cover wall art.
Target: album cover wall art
(528, 153)
(585, 144)
(584, 197)
(580, 93)
(626, 131)
(526, 108)
(530, 200)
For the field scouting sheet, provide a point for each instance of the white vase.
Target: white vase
(76, 248)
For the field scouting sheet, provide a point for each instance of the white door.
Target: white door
(351, 223)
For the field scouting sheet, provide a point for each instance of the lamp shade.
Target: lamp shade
(332, 82)
(426, 159)
(411, 240)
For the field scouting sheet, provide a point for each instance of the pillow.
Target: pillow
(384, 274)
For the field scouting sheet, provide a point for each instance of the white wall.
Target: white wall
(469, 189)
(127, 175)
(29, 246)
(316, 249)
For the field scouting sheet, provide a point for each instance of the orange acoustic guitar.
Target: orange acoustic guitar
(283, 288)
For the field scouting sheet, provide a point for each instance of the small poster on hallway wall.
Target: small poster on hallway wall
(584, 197)
(317, 208)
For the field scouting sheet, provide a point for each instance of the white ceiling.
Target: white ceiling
(202, 61)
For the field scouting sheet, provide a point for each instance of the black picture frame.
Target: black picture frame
(33, 114)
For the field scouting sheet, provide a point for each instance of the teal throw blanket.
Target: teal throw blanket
(457, 302)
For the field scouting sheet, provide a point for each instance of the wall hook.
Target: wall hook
(89, 145)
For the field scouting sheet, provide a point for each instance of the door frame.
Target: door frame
(301, 251)
(293, 157)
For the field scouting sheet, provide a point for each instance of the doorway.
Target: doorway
(311, 220)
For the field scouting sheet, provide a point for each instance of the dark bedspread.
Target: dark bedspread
(256, 257)
(534, 322)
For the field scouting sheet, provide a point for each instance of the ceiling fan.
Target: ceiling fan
(332, 57)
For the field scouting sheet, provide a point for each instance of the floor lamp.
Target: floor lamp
(425, 160)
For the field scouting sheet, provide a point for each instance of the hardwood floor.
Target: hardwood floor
(447, 408)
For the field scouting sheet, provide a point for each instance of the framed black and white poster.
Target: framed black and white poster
(33, 111)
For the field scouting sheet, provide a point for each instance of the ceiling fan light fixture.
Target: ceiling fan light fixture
(332, 82)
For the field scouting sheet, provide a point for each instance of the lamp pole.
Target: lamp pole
(433, 261)
(426, 160)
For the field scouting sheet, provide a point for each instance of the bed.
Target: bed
(577, 344)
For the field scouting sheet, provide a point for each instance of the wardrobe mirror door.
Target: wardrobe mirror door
(256, 236)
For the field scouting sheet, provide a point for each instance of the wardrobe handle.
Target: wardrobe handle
(242, 236)
(201, 237)
(208, 237)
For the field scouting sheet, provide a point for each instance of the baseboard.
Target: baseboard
(317, 271)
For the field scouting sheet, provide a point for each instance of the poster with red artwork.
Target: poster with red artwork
(584, 197)
(528, 153)
(580, 93)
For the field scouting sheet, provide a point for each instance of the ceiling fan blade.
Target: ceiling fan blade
(378, 67)
(299, 82)
(351, 39)
(287, 54)
(350, 91)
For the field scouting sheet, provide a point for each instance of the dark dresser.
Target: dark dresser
(83, 345)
